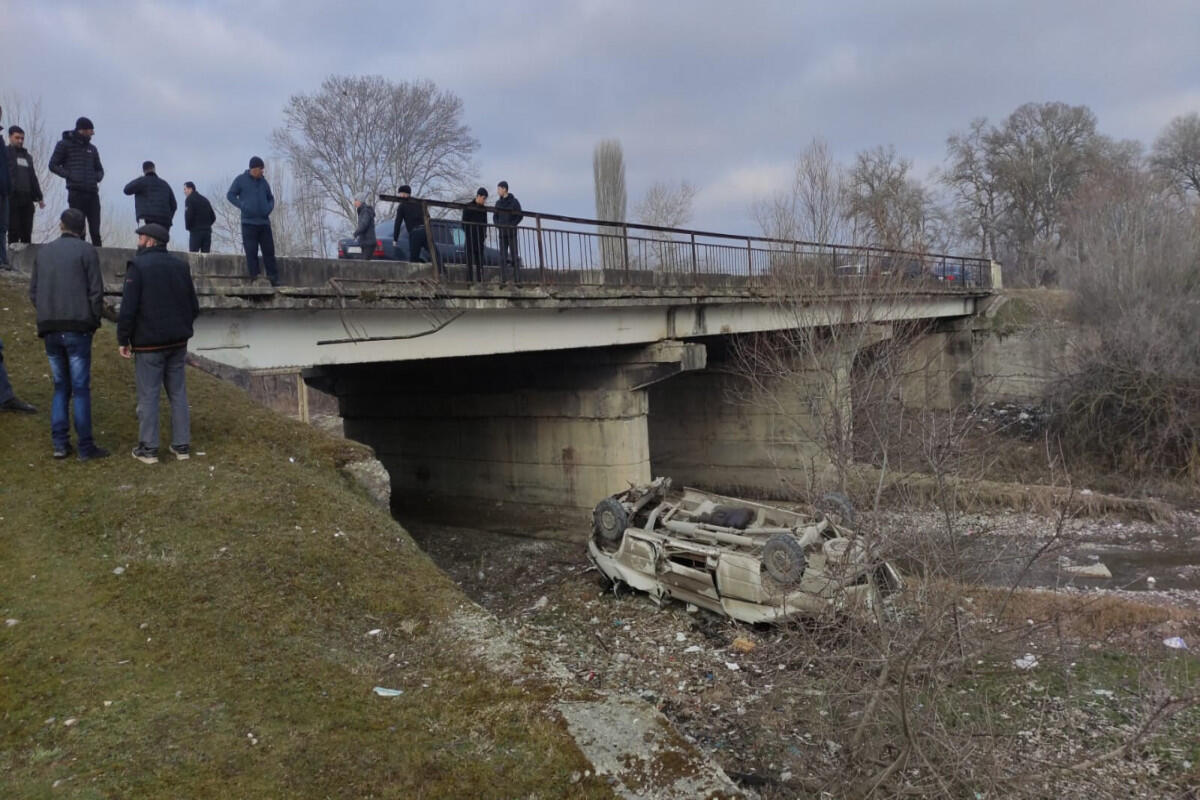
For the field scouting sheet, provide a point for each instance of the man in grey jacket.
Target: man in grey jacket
(66, 288)
(365, 232)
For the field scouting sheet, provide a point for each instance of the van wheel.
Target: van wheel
(837, 507)
(784, 559)
(609, 522)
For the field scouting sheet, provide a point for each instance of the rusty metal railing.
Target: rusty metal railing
(565, 250)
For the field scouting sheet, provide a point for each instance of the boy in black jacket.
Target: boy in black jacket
(158, 306)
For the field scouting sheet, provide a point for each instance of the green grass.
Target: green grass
(230, 658)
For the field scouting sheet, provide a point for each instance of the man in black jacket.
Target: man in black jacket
(153, 198)
(198, 218)
(364, 233)
(5, 189)
(474, 218)
(66, 288)
(158, 307)
(410, 215)
(77, 160)
(26, 191)
(507, 217)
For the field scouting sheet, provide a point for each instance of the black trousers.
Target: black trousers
(20, 220)
(200, 240)
(89, 204)
(508, 251)
(474, 253)
(254, 237)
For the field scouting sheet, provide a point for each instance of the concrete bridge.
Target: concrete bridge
(558, 392)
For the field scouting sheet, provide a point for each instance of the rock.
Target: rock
(1027, 661)
(691, 609)
(1097, 570)
(373, 477)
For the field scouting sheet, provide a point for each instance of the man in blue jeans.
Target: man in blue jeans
(67, 290)
(251, 194)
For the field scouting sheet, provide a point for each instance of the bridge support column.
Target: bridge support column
(560, 428)
(940, 368)
(716, 430)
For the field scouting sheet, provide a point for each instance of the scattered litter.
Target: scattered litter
(1027, 661)
(374, 631)
(119, 571)
(107, 703)
(691, 609)
(732, 667)
(1103, 693)
(542, 602)
(339, 535)
(124, 487)
(69, 722)
(1085, 492)
(681, 637)
(694, 649)
(743, 645)
(385, 692)
(291, 460)
(1150, 581)
(10, 622)
(253, 739)
(1176, 643)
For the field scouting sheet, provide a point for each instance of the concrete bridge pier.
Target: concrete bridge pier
(561, 428)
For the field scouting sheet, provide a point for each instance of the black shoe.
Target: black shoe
(94, 453)
(182, 451)
(146, 455)
(64, 451)
(17, 405)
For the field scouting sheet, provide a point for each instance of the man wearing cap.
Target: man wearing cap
(365, 232)
(158, 307)
(251, 194)
(507, 217)
(77, 160)
(153, 198)
(474, 218)
(26, 191)
(66, 288)
(409, 215)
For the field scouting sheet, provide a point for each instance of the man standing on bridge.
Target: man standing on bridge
(26, 191)
(198, 219)
(365, 232)
(153, 199)
(474, 219)
(410, 215)
(158, 307)
(507, 217)
(251, 194)
(77, 161)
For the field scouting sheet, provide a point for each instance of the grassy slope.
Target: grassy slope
(240, 617)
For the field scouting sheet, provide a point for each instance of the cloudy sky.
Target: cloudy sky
(723, 94)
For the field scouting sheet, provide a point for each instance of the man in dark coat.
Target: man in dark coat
(8, 398)
(158, 307)
(507, 217)
(26, 191)
(365, 232)
(410, 215)
(77, 160)
(153, 198)
(66, 288)
(251, 194)
(5, 189)
(198, 218)
(474, 218)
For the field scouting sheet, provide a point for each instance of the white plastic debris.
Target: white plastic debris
(1150, 581)
(10, 622)
(1176, 643)
(680, 637)
(374, 631)
(732, 667)
(1027, 661)
(385, 692)
(1103, 693)
(69, 722)
(691, 609)
(694, 649)
(119, 571)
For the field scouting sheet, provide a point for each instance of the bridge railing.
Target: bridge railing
(565, 250)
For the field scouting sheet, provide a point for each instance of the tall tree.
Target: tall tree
(812, 208)
(1176, 154)
(360, 134)
(885, 204)
(975, 188)
(608, 172)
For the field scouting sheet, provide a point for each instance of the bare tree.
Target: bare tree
(812, 207)
(666, 205)
(608, 171)
(886, 206)
(27, 113)
(1176, 153)
(358, 135)
(975, 188)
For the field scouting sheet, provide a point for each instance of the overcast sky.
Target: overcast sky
(723, 94)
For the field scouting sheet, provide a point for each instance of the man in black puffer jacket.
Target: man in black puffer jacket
(198, 218)
(158, 307)
(77, 160)
(153, 200)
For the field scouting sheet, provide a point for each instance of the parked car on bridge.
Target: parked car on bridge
(957, 273)
(448, 235)
(752, 562)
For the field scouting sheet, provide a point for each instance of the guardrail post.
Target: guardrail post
(695, 263)
(541, 254)
(625, 250)
(430, 243)
(749, 259)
